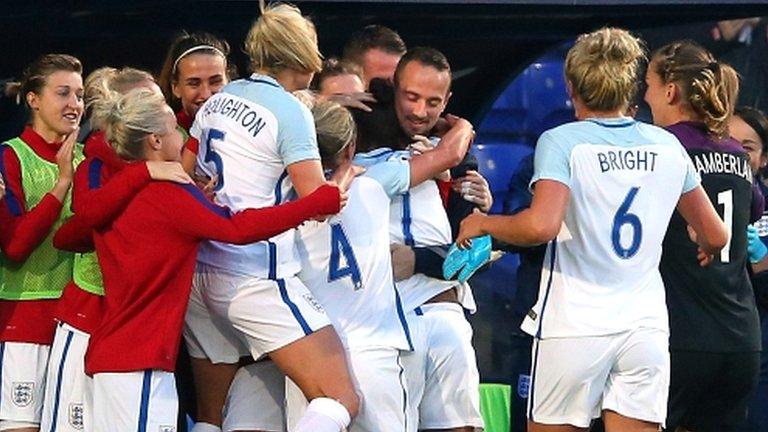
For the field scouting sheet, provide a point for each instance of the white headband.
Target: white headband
(193, 49)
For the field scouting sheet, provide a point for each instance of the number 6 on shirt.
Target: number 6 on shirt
(623, 217)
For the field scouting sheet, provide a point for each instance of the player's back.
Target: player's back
(346, 264)
(712, 307)
(601, 272)
(249, 133)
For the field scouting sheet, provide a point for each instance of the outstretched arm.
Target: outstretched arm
(99, 199)
(535, 225)
(205, 220)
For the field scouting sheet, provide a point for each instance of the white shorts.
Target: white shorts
(379, 379)
(256, 398)
(69, 393)
(22, 378)
(135, 401)
(442, 376)
(269, 314)
(574, 379)
(207, 335)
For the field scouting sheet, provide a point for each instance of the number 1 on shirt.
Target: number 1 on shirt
(726, 199)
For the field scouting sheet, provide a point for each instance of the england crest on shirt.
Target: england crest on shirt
(523, 386)
(76, 415)
(23, 393)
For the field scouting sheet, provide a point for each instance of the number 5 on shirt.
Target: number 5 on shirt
(209, 135)
(340, 247)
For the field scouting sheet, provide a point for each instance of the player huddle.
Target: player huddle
(297, 241)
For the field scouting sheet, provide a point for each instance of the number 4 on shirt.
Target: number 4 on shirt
(340, 247)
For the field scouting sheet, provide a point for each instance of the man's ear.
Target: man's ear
(447, 99)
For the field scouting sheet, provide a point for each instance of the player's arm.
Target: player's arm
(205, 220)
(697, 210)
(306, 176)
(24, 229)
(189, 155)
(98, 201)
(74, 236)
(540, 222)
(535, 225)
(448, 153)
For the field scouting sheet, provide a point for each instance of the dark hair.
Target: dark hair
(35, 75)
(379, 127)
(370, 37)
(709, 87)
(180, 45)
(755, 119)
(427, 57)
(333, 67)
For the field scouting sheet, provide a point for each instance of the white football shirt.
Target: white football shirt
(601, 274)
(249, 133)
(418, 218)
(347, 265)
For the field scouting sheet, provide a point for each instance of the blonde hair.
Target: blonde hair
(281, 38)
(104, 81)
(335, 130)
(306, 97)
(129, 118)
(602, 68)
(709, 87)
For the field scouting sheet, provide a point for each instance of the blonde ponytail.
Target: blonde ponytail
(335, 130)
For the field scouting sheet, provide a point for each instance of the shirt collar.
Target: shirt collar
(184, 120)
(265, 79)
(612, 122)
(39, 145)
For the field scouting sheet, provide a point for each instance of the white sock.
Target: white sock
(324, 415)
(205, 427)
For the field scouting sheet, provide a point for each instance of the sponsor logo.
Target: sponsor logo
(76, 415)
(313, 302)
(166, 429)
(523, 386)
(532, 314)
(23, 393)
